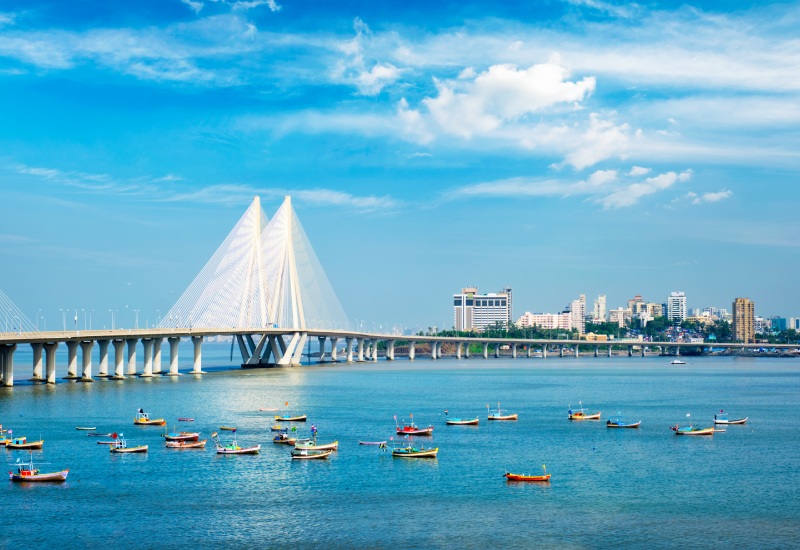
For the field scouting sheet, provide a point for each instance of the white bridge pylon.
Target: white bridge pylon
(265, 274)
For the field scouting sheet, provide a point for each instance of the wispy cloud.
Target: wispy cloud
(708, 197)
(633, 193)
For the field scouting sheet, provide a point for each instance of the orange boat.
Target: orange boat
(501, 414)
(143, 419)
(580, 414)
(522, 477)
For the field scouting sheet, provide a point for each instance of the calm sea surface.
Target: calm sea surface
(610, 488)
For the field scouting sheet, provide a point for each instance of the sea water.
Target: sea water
(609, 488)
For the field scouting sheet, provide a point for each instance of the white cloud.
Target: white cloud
(602, 140)
(711, 197)
(7, 19)
(627, 11)
(250, 4)
(195, 6)
(631, 194)
(638, 171)
(369, 78)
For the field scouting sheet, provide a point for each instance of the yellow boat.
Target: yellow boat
(143, 419)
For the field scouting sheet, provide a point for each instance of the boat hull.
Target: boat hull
(327, 447)
(731, 422)
(129, 450)
(372, 443)
(610, 424)
(415, 431)
(503, 416)
(522, 477)
(291, 418)
(459, 422)
(40, 478)
(244, 451)
(186, 444)
(307, 454)
(194, 436)
(704, 431)
(28, 445)
(154, 422)
(579, 416)
(415, 453)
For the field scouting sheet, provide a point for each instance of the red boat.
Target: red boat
(413, 429)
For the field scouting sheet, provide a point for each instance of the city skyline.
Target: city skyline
(562, 148)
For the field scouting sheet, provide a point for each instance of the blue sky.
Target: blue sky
(559, 147)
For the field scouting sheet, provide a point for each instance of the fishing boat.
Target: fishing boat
(580, 414)
(26, 472)
(310, 454)
(677, 362)
(278, 428)
(414, 452)
(185, 419)
(187, 444)
(691, 430)
(4, 440)
(22, 444)
(85, 428)
(522, 477)
(462, 421)
(284, 439)
(181, 436)
(312, 446)
(501, 414)
(233, 448)
(411, 428)
(378, 443)
(110, 442)
(302, 418)
(99, 435)
(722, 418)
(269, 410)
(121, 446)
(143, 419)
(620, 422)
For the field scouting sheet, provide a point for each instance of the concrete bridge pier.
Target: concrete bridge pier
(198, 355)
(609, 350)
(561, 350)
(157, 355)
(466, 350)
(174, 342)
(350, 342)
(486, 350)
(677, 351)
(643, 351)
(390, 350)
(528, 351)
(459, 349)
(147, 344)
(50, 361)
(497, 351)
(412, 350)
(597, 351)
(37, 362)
(131, 355)
(86, 349)
(544, 352)
(103, 367)
(72, 360)
(360, 350)
(321, 340)
(434, 352)
(7, 360)
(374, 351)
(119, 359)
(334, 352)
(577, 351)
(630, 351)
(514, 351)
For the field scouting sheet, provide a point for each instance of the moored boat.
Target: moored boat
(415, 452)
(411, 428)
(284, 439)
(86, 428)
(181, 436)
(310, 454)
(185, 419)
(301, 418)
(372, 443)
(143, 419)
(581, 414)
(677, 362)
(312, 446)
(523, 477)
(99, 435)
(233, 448)
(278, 428)
(121, 446)
(691, 430)
(228, 428)
(27, 472)
(187, 444)
(722, 418)
(620, 422)
(462, 421)
(22, 444)
(501, 414)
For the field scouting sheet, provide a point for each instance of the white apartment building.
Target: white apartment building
(578, 313)
(599, 310)
(676, 306)
(562, 321)
(473, 311)
(619, 316)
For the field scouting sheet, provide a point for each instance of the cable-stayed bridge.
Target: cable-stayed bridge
(265, 287)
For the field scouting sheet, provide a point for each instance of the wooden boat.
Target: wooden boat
(181, 436)
(372, 443)
(228, 428)
(284, 439)
(4, 440)
(269, 410)
(278, 428)
(580, 414)
(85, 428)
(100, 435)
(111, 442)
(26, 472)
(234, 449)
(413, 429)
(499, 415)
(415, 452)
(143, 419)
(184, 419)
(677, 362)
(522, 477)
(310, 454)
(302, 418)
(722, 418)
(462, 421)
(187, 444)
(691, 430)
(312, 446)
(121, 446)
(619, 422)
(22, 443)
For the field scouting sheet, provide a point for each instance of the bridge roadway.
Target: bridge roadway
(271, 347)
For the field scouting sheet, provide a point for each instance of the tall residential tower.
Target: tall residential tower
(744, 320)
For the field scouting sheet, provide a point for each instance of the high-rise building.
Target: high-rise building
(778, 324)
(578, 314)
(744, 320)
(561, 321)
(599, 310)
(676, 306)
(473, 311)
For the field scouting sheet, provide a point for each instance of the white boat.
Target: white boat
(26, 472)
(722, 418)
(677, 362)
